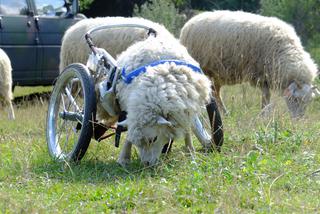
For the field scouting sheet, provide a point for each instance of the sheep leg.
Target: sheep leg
(125, 154)
(266, 107)
(217, 95)
(265, 95)
(188, 142)
(6, 97)
(10, 110)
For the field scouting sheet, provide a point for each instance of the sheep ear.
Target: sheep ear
(123, 123)
(288, 92)
(163, 122)
(315, 91)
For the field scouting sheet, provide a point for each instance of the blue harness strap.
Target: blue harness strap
(127, 78)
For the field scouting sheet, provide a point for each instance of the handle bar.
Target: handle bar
(105, 53)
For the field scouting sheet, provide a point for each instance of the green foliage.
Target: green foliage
(314, 47)
(302, 14)
(164, 12)
(180, 2)
(84, 4)
(245, 5)
(21, 91)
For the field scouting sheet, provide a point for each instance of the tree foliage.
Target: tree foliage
(84, 4)
(302, 14)
(110, 7)
(162, 11)
(95, 8)
(245, 5)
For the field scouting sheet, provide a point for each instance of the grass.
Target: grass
(22, 91)
(265, 166)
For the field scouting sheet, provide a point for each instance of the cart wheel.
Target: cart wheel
(72, 108)
(208, 127)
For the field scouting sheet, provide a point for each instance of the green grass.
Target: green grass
(22, 91)
(265, 166)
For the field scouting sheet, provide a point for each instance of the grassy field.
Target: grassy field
(267, 165)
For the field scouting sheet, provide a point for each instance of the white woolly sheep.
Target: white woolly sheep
(161, 102)
(74, 47)
(6, 83)
(234, 47)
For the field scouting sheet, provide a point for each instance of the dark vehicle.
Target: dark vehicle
(31, 33)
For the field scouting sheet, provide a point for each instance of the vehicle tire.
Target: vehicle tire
(208, 127)
(72, 108)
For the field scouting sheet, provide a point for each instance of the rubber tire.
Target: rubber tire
(86, 128)
(217, 129)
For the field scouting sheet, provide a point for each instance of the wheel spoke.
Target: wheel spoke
(60, 131)
(69, 127)
(71, 105)
(73, 102)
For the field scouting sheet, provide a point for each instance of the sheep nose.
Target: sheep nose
(146, 163)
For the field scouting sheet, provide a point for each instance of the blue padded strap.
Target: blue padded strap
(127, 78)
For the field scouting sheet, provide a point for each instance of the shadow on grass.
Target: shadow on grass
(97, 171)
(33, 98)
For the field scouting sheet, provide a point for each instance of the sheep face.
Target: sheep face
(297, 98)
(150, 139)
(151, 145)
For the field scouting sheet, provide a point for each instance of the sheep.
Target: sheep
(75, 49)
(6, 83)
(234, 46)
(162, 101)
(115, 40)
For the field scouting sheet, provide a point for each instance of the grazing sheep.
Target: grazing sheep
(74, 47)
(6, 83)
(161, 101)
(234, 47)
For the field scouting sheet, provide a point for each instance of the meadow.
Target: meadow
(267, 165)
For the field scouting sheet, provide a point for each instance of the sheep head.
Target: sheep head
(150, 139)
(298, 97)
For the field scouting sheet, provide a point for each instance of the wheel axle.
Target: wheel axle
(72, 116)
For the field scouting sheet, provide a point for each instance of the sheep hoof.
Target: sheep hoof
(208, 148)
(267, 110)
(189, 149)
(123, 161)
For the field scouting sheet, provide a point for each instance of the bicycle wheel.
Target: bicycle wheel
(208, 127)
(72, 108)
